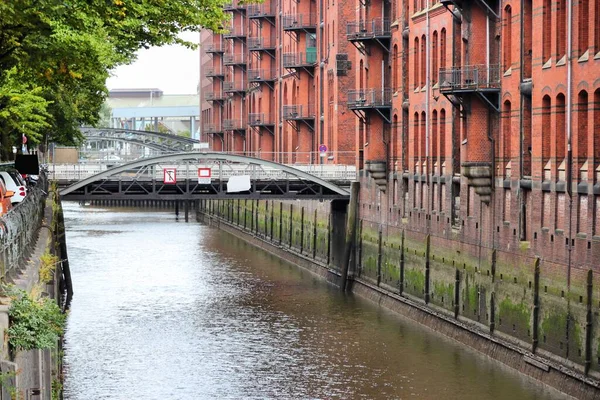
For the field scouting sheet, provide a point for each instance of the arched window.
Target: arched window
(507, 39)
(442, 135)
(596, 132)
(582, 130)
(584, 26)
(597, 26)
(434, 58)
(561, 130)
(416, 63)
(506, 135)
(547, 31)
(395, 71)
(546, 115)
(416, 138)
(394, 142)
(423, 137)
(434, 136)
(423, 60)
(561, 29)
(443, 48)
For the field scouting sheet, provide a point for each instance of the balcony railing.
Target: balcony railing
(234, 59)
(260, 119)
(376, 28)
(234, 125)
(470, 78)
(233, 86)
(299, 111)
(299, 22)
(298, 60)
(214, 96)
(260, 10)
(370, 98)
(260, 43)
(261, 75)
(212, 72)
(234, 31)
(212, 128)
(213, 48)
(234, 5)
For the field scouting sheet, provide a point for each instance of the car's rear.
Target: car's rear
(13, 182)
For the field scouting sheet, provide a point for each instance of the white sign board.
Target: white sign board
(239, 183)
(204, 175)
(200, 146)
(170, 176)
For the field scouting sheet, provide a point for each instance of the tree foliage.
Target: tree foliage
(55, 57)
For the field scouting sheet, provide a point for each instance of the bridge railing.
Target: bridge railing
(19, 227)
(317, 164)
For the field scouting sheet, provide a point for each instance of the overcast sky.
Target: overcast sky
(173, 69)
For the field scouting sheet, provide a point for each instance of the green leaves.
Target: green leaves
(55, 56)
(35, 323)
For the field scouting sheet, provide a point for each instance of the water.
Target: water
(168, 310)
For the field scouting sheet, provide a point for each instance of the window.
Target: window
(423, 60)
(434, 58)
(561, 29)
(561, 132)
(422, 139)
(416, 139)
(442, 135)
(582, 131)
(584, 27)
(547, 33)
(416, 62)
(443, 48)
(596, 132)
(507, 136)
(507, 39)
(434, 137)
(546, 114)
(395, 71)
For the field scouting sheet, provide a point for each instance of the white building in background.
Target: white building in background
(150, 109)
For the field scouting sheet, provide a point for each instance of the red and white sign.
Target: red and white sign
(204, 175)
(170, 176)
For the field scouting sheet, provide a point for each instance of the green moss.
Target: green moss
(445, 290)
(517, 314)
(414, 280)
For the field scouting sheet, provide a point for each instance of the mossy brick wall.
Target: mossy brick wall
(496, 284)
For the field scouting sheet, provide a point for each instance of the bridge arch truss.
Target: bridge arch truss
(161, 142)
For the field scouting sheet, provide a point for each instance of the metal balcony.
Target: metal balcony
(300, 22)
(298, 112)
(235, 59)
(299, 60)
(363, 99)
(213, 48)
(234, 87)
(214, 72)
(470, 78)
(234, 125)
(212, 128)
(368, 30)
(260, 119)
(482, 81)
(215, 96)
(235, 32)
(234, 6)
(261, 75)
(261, 44)
(264, 10)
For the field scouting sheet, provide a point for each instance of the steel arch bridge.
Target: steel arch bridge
(162, 142)
(144, 180)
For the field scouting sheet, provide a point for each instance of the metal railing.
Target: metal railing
(298, 111)
(234, 59)
(260, 10)
(470, 77)
(234, 125)
(260, 75)
(214, 71)
(234, 5)
(260, 43)
(234, 86)
(295, 60)
(365, 98)
(260, 119)
(214, 95)
(19, 227)
(212, 128)
(299, 21)
(378, 27)
(318, 164)
(213, 48)
(235, 31)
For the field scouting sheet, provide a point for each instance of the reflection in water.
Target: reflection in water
(169, 310)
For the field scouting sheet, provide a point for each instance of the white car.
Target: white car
(14, 182)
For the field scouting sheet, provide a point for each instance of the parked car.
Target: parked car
(15, 183)
(5, 199)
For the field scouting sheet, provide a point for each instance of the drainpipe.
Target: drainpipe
(569, 148)
(427, 117)
(321, 84)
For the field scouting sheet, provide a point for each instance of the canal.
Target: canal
(165, 309)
